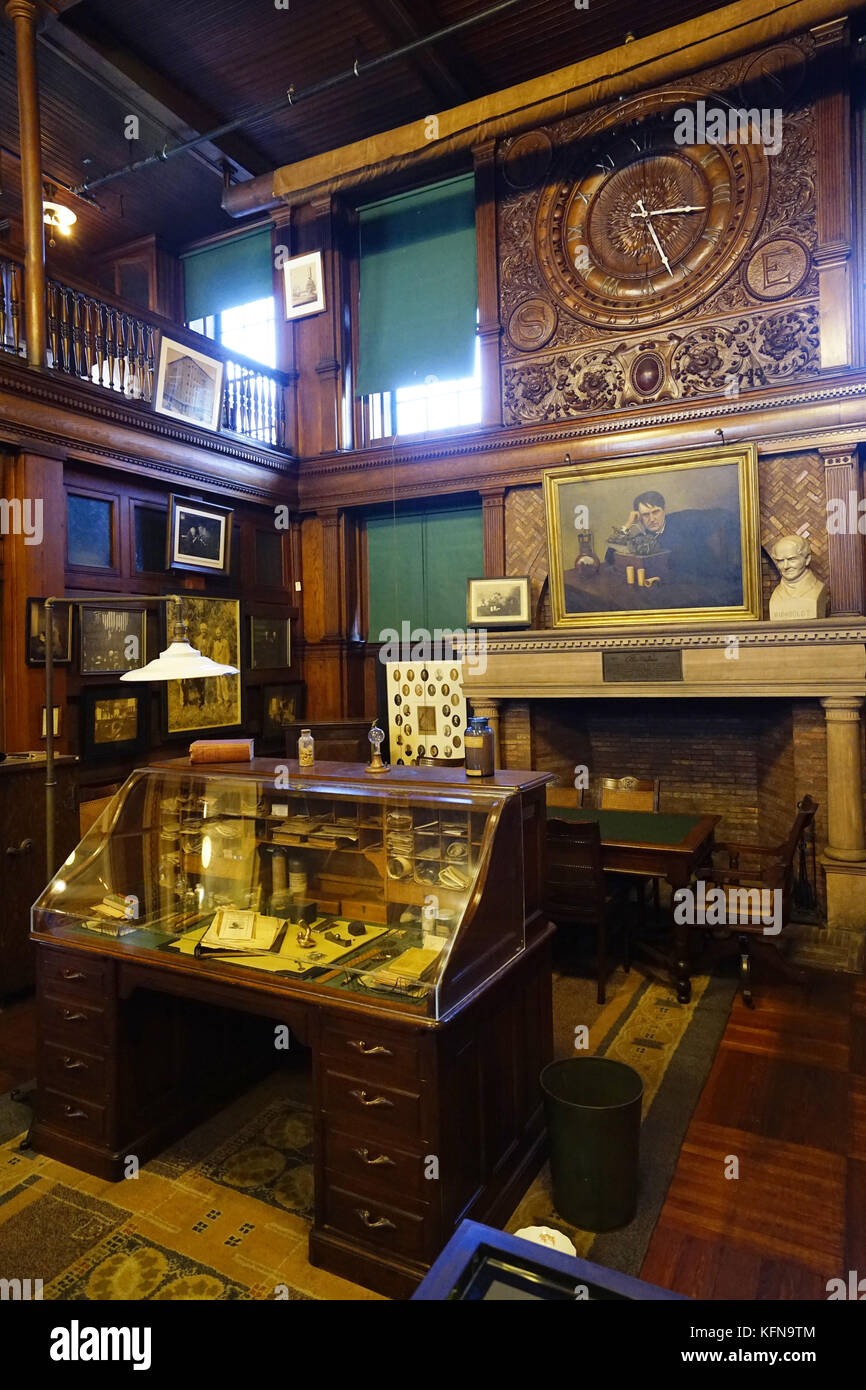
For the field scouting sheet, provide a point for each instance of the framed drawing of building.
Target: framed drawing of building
(656, 537)
(189, 385)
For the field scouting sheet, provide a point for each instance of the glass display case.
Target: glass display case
(407, 896)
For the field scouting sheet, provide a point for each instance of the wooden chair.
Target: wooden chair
(578, 893)
(633, 794)
(772, 872)
(559, 798)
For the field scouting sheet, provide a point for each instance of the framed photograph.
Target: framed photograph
(35, 654)
(500, 602)
(114, 721)
(304, 285)
(199, 536)
(654, 538)
(270, 643)
(57, 726)
(189, 385)
(214, 702)
(282, 705)
(111, 640)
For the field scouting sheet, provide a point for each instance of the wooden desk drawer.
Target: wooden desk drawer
(71, 1070)
(370, 1222)
(80, 1119)
(371, 1051)
(380, 1167)
(372, 1108)
(62, 1018)
(75, 975)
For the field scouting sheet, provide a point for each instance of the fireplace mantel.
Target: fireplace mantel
(768, 660)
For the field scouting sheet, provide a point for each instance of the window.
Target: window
(418, 563)
(417, 310)
(228, 291)
(249, 329)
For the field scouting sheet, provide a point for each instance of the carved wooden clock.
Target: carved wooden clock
(638, 228)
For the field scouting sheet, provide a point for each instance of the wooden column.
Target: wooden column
(845, 828)
(281, 242)
(323, 343)
(23, 15)
(835, 193)
(493, 531)
(846, 549)
(489, 328)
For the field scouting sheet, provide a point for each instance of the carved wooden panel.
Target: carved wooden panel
(739, 309)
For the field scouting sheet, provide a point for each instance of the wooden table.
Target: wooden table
(653, 844)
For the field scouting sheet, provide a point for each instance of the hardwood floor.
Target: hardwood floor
(786, 1099)
(785, 1107)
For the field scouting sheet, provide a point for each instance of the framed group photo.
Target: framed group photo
(114, 721)
(189, 385)
(199, 536)
(35, 650)
(111, 640)
(270, 643)
(655, 537)
(210, 703)
(282, 705)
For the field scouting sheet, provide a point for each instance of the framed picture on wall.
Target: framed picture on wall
(35, 653)
(304, 285)
(270, 643)
(213, 702)
(655, 537)
(114, 721)
(282, 705)
(189, 385)
(199, 536)
(500, 602)
(111, 640)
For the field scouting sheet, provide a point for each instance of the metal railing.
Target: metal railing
(97, 338)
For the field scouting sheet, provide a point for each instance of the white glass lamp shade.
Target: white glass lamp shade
(179, 662)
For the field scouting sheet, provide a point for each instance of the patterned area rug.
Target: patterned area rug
(672, 1047)
(225, 1212)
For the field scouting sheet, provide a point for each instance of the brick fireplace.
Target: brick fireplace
(742, 735)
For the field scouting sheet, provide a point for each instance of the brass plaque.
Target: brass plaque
(642, 666)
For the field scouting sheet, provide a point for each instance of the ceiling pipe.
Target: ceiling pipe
(636, 66)
(258, 113)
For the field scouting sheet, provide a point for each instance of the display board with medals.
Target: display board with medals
(426, 711)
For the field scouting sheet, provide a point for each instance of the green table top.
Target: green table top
(643, 827)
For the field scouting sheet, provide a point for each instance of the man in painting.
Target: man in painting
(702, 543)
(222, 654)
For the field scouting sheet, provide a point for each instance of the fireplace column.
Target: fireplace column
(844, 859)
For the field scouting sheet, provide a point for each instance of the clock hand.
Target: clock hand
(663, 212)
(652, 231)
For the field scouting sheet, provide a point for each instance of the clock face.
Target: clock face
(640, 228)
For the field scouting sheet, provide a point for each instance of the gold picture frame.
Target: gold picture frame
(632, 540)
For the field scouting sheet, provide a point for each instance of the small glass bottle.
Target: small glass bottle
(306, 749)
(478, 742)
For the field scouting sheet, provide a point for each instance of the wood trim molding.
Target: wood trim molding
(835, 192)
(489, 325)
(493, 531)
(846, 549)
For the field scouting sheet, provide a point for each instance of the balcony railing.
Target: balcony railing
(97, 338)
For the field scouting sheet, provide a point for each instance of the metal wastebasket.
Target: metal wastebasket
(593, 1110)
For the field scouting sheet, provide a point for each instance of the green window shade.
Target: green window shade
(418, 565)
(418, 287)
(235, 272)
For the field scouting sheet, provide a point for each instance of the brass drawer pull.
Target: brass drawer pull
(13, 851)
(369, 1051)
(361, 1097)
(74, 1114)
(382, 1224)
(364, 1155)
(72, 1017)
(73, 975)
(74, 1064)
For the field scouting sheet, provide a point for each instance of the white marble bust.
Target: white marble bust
(799, 593)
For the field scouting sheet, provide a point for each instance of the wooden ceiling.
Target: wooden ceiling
(186, 66)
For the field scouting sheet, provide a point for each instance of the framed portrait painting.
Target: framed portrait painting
(270, 643)
(304, 285)
(500, 602)
(111, 640)
(35, 654)
(114, 721)
(654, 538)
(210, 703)
(199, 536)
(189, 385)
